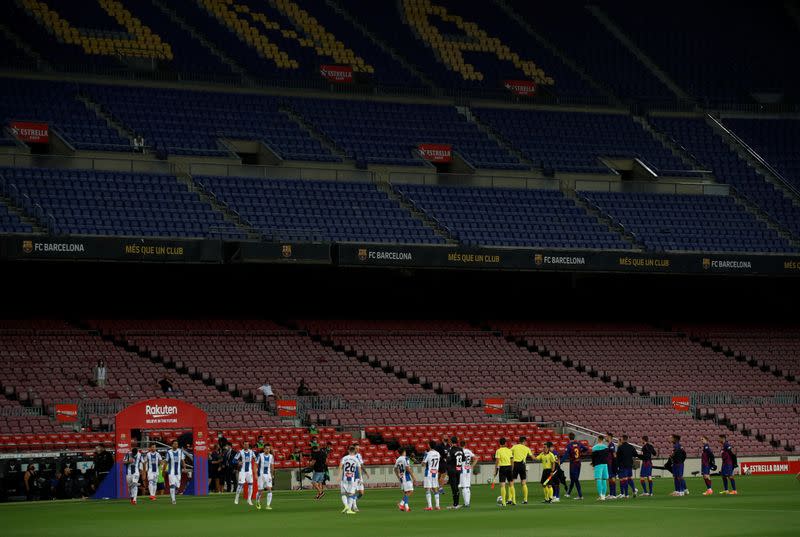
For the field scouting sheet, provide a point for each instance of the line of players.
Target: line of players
(611, 462)
(150, 463)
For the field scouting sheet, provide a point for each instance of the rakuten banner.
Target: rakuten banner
(520, 87)
(442, 153)
(35, 133)
(341, 74)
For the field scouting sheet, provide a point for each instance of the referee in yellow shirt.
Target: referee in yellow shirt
(520, 453)
(549, 463)
(502, 467)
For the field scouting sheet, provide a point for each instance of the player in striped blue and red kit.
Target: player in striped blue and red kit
(707, 465)
(612, 467)
(646, 473)
(677, 459)
(728, 464)
(575, 450)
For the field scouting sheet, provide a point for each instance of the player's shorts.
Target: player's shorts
(264, 482)
(647, 470)
(505, 474)
(574, 472)
(431, 482)
(601, 471)
(613, 471)
(727, 470)
(132, 479)
(677, 470)
(359, 484)
(152, 477)
(348, 488)
(318, 477)
(545, 474)
(624, 473)
(406, 485)
(519, 471)
(174, 480)
(705, 470)
(245, 477)
(465, 481)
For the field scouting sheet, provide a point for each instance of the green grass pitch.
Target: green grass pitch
(766, 506)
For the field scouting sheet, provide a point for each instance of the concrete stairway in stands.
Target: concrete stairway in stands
(416, 213)
(23, 216)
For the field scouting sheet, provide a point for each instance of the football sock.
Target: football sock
(428, 497)
(269, 498)
(578, 488)
(624, 487)
(405, 499)
(725, 482)
(345, 502)
(556, 491)
(436, 498)
(613, 485)
(733, 483)
(525, 492)
(503, 493)
(512, 493)
(467, 492)
(152, 487)
(172, 493)
(708, 482)
(135, 490)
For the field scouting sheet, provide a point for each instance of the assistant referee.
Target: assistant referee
(502, 467)
(520, 453)
(549, 462)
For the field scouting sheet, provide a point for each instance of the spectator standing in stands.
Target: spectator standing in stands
(100, 373)
(166, 384)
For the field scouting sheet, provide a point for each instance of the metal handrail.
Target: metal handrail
(758, 158)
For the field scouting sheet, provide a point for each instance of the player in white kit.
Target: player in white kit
(246, 459)
(431, 479)
(176, 464)
(348, 468)
(465, 480)
(361, 473)
(133, 464)
(402, 469)
(265, 460)
(152, 461)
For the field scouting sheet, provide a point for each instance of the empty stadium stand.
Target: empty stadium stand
(55, 103)
(775, 140)
(267, 353)
(85, 202)
(575, 142)
(388, 133)
(698, 137)
(646, 360)
(10, 222)
(195, 122)
(571, 27)
(511, 217)
(319, 210)
(690, 223)
(719, 55)
(409, 351)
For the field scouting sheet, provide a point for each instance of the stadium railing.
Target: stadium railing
(651, 187)
(108, 164)
(458, 179)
